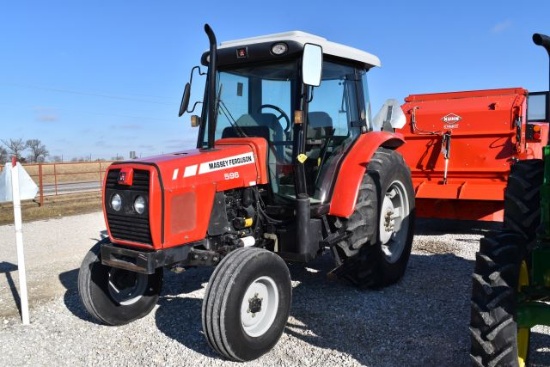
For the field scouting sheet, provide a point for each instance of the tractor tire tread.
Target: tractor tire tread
(493, 328)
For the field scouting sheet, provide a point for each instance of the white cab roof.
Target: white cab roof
(329, 48)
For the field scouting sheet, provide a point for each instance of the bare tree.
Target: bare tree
(3, 155)
(15, 148)
(38, 150)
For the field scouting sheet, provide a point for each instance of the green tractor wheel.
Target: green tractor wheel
(500, 270)
(522, 198)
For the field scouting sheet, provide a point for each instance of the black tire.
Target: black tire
(522, 198)
(236, 294)
(116, 296)
(378, 249)
(494, 303)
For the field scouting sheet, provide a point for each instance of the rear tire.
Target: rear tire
(494, 334)
(522, 198)
(116, 296)
(502, 266)
(246, 304)
(381, 227)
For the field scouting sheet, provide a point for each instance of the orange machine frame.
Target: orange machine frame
(460, 147)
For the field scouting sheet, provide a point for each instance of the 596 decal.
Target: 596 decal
(231, 175)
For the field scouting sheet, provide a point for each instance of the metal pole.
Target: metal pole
(19, 242)
(41, 184)
(55, 178)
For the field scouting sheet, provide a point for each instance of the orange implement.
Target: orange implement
(460, 146)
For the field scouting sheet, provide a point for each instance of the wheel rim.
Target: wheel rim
(394, 217)
(259, 306)
(523, 333)
(126, 287)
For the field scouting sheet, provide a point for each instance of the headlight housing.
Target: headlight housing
(140, 204)
(116, 202)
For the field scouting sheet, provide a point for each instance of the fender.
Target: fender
(353, 169)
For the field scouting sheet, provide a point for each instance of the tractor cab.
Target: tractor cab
(306, 96)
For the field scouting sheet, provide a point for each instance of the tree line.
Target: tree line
(25, 151)
(34, 151)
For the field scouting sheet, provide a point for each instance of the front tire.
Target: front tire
(116, 296)
(381, 227)
(246, 304)
(500, 269)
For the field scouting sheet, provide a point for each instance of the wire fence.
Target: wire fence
(66, 178)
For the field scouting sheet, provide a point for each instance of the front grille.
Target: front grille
(126, 224)
(130, 228)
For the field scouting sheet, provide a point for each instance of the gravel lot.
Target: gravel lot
(422, 321)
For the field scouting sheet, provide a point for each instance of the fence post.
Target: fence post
(55, 178)
(100, 175)
(40, 185)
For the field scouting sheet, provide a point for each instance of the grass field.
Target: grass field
(67, 172)
(54, 206)
(59, 205)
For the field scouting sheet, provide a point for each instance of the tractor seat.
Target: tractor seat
(319, 126)
(263, 125)
(318, 129)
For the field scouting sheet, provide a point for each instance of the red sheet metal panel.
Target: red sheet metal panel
(460, 146)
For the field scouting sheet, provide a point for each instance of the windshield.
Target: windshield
(259, 100)
(255, 96)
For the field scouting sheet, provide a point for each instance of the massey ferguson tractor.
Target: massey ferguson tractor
(287, 167)
(511, 281)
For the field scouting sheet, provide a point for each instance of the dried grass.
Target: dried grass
(54, 206)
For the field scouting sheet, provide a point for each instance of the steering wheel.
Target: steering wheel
(282, 114)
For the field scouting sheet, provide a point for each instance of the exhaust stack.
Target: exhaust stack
(212, 64)
(543, 40)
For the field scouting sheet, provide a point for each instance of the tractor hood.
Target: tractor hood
(177, 191)
(214, 166)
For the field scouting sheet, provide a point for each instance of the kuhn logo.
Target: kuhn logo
(451, 121)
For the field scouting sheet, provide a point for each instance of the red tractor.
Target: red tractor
(287, 166)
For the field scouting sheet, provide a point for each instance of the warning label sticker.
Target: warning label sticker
(229, 162)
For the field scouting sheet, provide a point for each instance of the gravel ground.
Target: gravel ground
(421, 321)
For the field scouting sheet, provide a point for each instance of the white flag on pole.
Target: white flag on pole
(27, 188)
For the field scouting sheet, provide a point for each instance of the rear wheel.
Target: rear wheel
(500, 271)
(522, 197)
(116, 296)
(505, 258)
(381, 226)
(246, 304)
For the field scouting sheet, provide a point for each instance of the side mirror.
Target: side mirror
(389, 117)
(312, 64)
(184, 105)
(185, 99)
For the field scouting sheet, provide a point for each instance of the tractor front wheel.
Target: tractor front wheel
(116, 296)
(500, 270)
(246, 304)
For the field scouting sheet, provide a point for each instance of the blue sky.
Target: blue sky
(101, 78)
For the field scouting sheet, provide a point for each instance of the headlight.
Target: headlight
(116, 202)
(139, 205)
